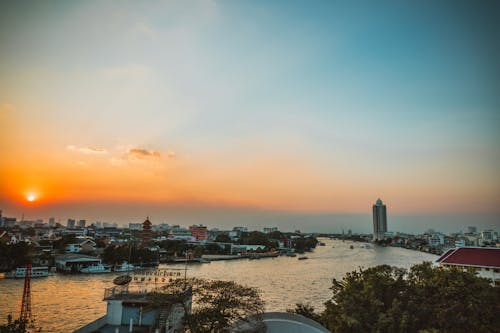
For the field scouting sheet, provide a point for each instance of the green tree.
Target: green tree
(306, 310)
(61, 243)
(223, 238)
(217, 305)
(389, 299)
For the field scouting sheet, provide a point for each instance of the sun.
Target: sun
(31, 197)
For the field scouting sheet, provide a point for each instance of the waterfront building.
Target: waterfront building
(483, 260)
(379, 220)
(146, 232)
(130, 308)
(199, 232)
(73, 263)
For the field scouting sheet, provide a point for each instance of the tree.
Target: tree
(390, 299)
(223, 238)
(305, 243)
(217, 305)
(61, 243)
(15, 255)
(13, 326)
(306, 310)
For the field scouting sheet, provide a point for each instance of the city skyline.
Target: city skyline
(215, 111)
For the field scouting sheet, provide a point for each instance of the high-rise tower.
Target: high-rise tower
(379, 220)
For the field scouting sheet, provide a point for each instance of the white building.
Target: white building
(379, 220)
(485, 261)
(436, 239)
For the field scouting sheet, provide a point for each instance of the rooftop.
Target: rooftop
(472, 256)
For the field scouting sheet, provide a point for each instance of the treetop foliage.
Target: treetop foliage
(422, 299)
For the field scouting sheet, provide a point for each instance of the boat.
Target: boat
(303, 258)
(124, 267)
(95, 269)
(20, 272)
(122, 280)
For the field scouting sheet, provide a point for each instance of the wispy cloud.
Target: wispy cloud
(88, 150)
(140, 153)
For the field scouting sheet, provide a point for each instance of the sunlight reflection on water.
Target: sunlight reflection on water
(62, 303)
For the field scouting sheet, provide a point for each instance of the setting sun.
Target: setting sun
(31, 197)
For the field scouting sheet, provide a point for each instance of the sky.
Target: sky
(292, 113)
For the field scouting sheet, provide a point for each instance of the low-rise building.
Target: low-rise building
(199, 232)
(85, 245)
(269, 230)
(130, 308)
(483, 260)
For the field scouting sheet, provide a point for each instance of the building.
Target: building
(70, 224)
(278, 322)
(81, 224)
(483, 260)
(135, 226)
(379, 220)
(52, 222)
(269, 230)
(9, 222)
(488, 236)
(84, 245)
(146, 232)
(436, 239)
(471, 230)
(130, 309)
(199, 232)
(240, 229)
(72, 262)
(181, 233)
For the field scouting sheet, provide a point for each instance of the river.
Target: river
(62, 303)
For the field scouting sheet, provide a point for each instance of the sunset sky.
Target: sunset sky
(294, 113)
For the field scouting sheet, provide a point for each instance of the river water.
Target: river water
(62, 303)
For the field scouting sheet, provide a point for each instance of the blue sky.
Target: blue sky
(279, 105)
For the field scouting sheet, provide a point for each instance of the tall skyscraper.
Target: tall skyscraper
(379, 220)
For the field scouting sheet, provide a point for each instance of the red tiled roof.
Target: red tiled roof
(448, 252)
(472, 256)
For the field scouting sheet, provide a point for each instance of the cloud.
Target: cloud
(140, 153)
(89, 150)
